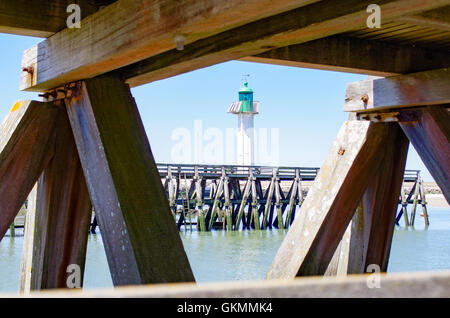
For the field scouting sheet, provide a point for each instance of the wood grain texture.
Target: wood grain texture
(141, 240)
(417, 89)
(428, 129)
(26, 147)
(301, 25)
(430, 284)
(131, 30)
(372, 230)
(345, 54)
(63, 213)
(27, 247)
(142, 39)
(331, 202)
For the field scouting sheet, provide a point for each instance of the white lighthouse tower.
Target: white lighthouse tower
(246, 109)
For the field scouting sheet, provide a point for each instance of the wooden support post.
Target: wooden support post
(201, 225)
(415, 201)
(227, 205)
(278, 204)
(332, 200)
(26, 147)
(243, 203)
(12, 230)
(373, 236)
(27, 247)
(141, 240)
(269, 196)
(404, 206)
(428, 129)
(215, 207)
(423, 202)
(254, 206)
(63, 212)
(292, 200)
(172, 192)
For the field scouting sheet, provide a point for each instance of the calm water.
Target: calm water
(246, 255)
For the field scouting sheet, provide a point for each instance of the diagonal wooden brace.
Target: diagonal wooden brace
(331, 202)
(26, 147)
(62, 217)
(428, 129)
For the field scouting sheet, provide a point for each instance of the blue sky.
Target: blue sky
(304, 105)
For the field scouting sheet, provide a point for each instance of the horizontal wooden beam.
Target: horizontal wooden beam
(436, 19)
(352, 55)
(131, 30)
(40, 18)
(417, 89)
(417, 284)
(141, 43)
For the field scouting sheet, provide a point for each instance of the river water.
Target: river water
(247, 255)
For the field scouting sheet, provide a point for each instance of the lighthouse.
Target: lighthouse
(245, 109)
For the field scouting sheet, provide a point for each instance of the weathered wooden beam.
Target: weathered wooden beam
(428, 129)
(63, 215)
(304, 24)
(431, 284)
(417, 89)
(353, 55)
(436, 19)
(145, 50)
(371, 235)
(141, 240)
(331, 202)
(40, 18)
(131, 30)
(26, 147)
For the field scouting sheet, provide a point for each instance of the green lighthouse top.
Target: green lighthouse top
(246, 89)
(245, 105)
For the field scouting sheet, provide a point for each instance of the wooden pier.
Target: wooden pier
(235, 197)
(85, 146)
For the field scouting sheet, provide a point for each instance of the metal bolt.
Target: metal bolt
(365, 98)
(29, 69)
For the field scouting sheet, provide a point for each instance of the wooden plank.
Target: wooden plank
(331, 202)
(417, 89)
(370, 242)
(428, 129)
(433, 284)
(130, 30)
(353, 55)
(40, 18)
(141, 240)
(142, 42)
(63, 213)
(26, 147)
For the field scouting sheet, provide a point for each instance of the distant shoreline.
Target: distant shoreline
(436, 200)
